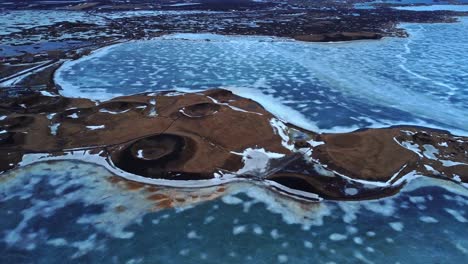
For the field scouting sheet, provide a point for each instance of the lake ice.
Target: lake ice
(420, 80)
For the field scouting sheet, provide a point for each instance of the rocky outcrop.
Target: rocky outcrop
(214, 137)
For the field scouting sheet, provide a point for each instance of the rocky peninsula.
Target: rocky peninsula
(215, 137)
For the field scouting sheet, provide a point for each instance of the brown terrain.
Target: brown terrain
(217, 134)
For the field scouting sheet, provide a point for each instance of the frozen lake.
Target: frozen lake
(419, 80)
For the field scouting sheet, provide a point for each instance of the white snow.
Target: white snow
(54, 128)
(256, 161)
(95, 127)
(74, 116)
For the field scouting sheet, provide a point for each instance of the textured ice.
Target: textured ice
(18, 20)
(332, 86)
(68, 210)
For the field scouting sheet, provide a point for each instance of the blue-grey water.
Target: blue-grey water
(331, 87)
(69, 211)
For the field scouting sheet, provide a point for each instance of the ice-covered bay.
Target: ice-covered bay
(332, 86)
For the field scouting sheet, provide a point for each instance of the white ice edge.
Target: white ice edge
(288, 191)
(421, 182)
(294, 117)
(73, 91)
(85, 156)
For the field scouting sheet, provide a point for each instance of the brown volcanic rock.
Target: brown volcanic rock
(94, 128)
(331, 187)
(196, 132)
(369, 155)
(388, 154)
(34, 103)
(197, 136)
(231, 129)
(441, 155)
(375, 163)
(173, 156)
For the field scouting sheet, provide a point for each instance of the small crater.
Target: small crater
(119, 106)
(200, 110)
(11, 139)
(154, 156)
